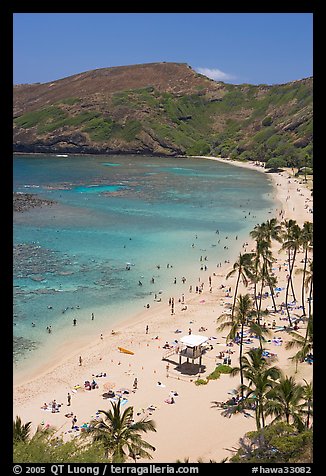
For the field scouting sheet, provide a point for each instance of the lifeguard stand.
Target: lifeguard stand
(193, 348)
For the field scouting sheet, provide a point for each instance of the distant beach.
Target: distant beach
(146, 335)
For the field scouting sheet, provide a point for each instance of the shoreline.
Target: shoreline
(147, 365)
(28, 369)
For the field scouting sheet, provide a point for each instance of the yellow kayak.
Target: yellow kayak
(125, 351)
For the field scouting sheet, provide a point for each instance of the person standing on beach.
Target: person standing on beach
(74, 421)
(80, 360)
(74, 322)
(69, 399)
(92, 316)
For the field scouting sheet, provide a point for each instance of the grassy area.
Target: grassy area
(41, 117)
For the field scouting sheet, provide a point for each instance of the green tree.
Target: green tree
(21, 432)
(304, 343)
(261, 377)
(275, 164)
(265, 276)
(264, 234)
(271, 232)
(306, 243)
(44, 447)
(258, 234)
(291, 243)
(309, 285)
(243, 268)
(120, 435)
(243, 312)
(279, 443)
(305, 161)
(308, 401)
(285, 402)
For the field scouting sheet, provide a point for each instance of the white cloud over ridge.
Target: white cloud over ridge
(214, 73)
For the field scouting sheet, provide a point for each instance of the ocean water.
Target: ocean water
(117, 221)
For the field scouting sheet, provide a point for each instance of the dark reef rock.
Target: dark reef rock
(25, 201)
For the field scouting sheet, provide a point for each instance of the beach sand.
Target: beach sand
(191, 427)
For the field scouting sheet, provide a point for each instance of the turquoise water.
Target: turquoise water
(119, 220)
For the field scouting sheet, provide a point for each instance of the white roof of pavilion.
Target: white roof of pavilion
(193, 340)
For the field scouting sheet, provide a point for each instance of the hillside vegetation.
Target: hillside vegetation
(165, 109)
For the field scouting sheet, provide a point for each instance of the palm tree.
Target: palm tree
(267, 260)
(21, 432)
(308, 404)
(292, 242)
(244, 269)
(273, 230)
(259, 235)
(261, 378)
(263, 235)
(120, 435)
(306, 157)
(286, 234)
(243, 312)
(285, 402)
(304, 343)
(308, 283)
(306, 242)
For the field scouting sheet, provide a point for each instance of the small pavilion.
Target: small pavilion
(193, 348)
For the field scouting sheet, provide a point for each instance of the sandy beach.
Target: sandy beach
(191, 427)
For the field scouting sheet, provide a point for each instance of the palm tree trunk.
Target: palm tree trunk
(310, 298)
(286, 300)
(308, 417)
(287, 288)
(291, 272)
(255, 284)
(296, 365)
(309, 315)
(260, 300)
(235, 295)
(240, 357)
(259, 309)
(262, 416)
(256, 299)
(257, 414)
(291, 266)
(272, 295)
(303, 281)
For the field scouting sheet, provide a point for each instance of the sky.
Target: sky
(254, 48)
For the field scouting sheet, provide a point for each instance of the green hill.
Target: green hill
(165, 109)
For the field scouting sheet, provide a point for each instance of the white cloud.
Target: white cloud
(214, 73)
